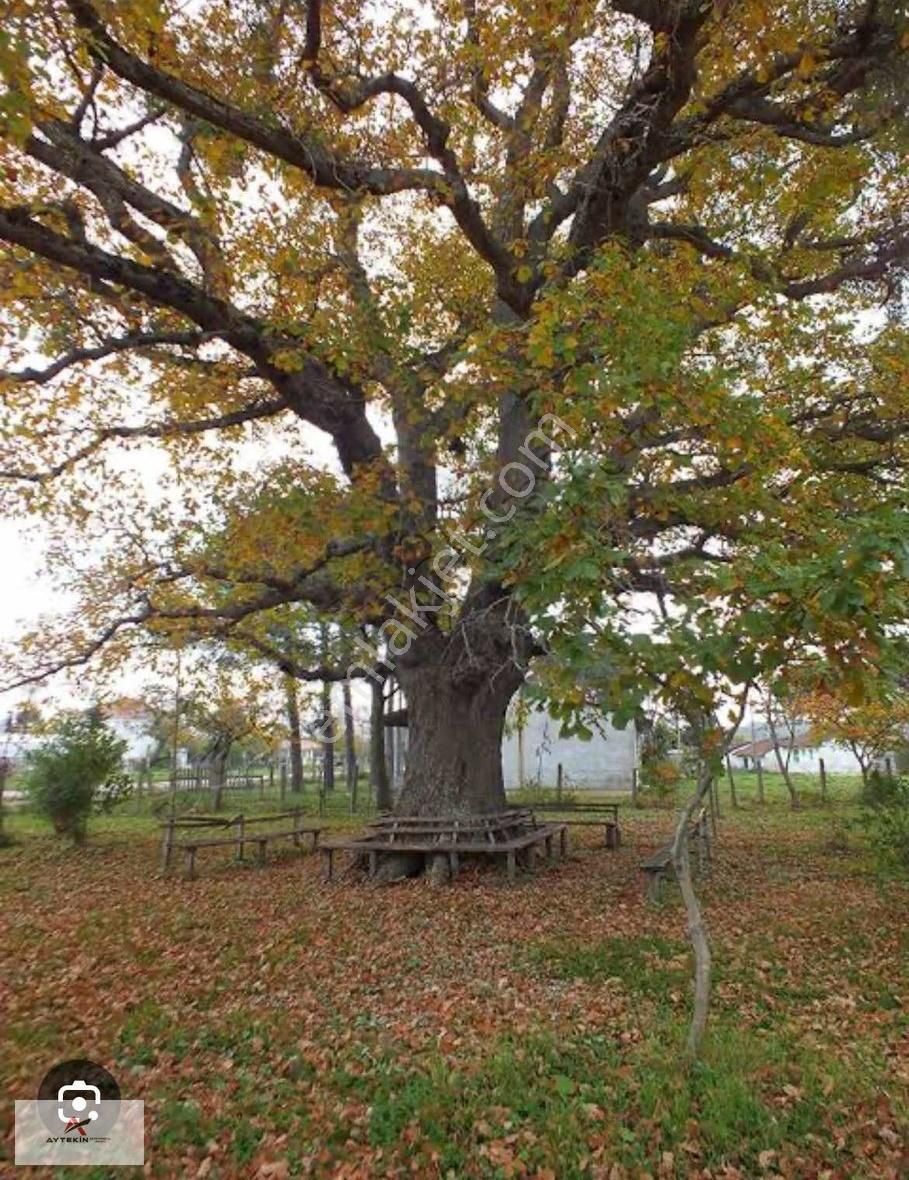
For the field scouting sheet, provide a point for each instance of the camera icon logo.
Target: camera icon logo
(74, 1097)
(79, 1099)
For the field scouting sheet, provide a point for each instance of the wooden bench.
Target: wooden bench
(658, 865)
(239, 841)
(491, 828)
(372, 847)
(591, 812)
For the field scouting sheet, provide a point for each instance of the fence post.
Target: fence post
(732, 795)
(559, 783)
(823, 770)
(634, 786)
(241, 831)
(167, 844)
(711, 795)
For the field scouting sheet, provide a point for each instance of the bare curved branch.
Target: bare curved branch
(258, 410)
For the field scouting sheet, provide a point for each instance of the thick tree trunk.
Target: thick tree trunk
(296, 737)
(458, 689)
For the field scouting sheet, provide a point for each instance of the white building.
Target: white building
(805, 758)
(533, 752)
(131, 721)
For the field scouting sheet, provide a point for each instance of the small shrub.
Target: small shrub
(885, 819)
(79, 770)
(660, 778)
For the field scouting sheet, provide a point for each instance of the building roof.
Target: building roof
(758, 749)
(127, 709)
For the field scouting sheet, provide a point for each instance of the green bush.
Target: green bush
(80, 769)
(885, 819)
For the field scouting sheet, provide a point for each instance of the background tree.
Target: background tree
(782, 710)
(295, 734)
(6, 770)
(227, 701)
(871, 729)
(77, 770)
(602, 270)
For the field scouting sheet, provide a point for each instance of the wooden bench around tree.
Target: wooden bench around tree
(239, 838)
(452, 847)
(593, 815)
(658, 865)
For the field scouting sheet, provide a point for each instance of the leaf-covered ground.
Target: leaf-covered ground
(278, 1027)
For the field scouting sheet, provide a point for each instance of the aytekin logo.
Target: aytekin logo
(78, 1117)
(80, 1090)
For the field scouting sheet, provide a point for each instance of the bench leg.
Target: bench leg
(549, 847)
(511, 864)
(612, 835)
(655, 884)
(315, 841)
(563, 842)
(328, 854)
(262, 844)
(190, 864)
(373, 863)
(453, 865)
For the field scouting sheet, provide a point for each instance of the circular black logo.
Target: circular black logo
(79, 1098)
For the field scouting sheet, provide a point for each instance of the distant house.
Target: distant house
(15, 746)
(131, 720)
(806, 757)
(532, 753)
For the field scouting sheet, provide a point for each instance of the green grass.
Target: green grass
(649, 965)
(478, 1031)
(542, 1100)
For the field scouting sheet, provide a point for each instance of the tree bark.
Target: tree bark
(697, 932)
(296, 737)
(458, 688)
(327, 723)
(218, 765)
(4, 771)
(378, 769)
(350, 750)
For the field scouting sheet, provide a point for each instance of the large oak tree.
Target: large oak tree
(586, 298)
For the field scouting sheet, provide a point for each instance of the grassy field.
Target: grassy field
(276, 1027)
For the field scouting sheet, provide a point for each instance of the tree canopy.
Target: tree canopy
(598, 306)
